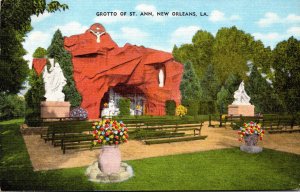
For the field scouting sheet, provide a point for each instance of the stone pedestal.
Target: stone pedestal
(251, 149)
(245, 110)
(55, 109)
(96, 175)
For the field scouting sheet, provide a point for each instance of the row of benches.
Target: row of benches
(77, 134)
(273, 124)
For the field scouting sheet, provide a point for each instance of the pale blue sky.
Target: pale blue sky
(269, 21)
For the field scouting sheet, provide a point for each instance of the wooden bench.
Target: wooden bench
(177, 132)
(59, 130)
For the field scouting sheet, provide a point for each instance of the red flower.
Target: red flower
(96, 137)
(126, 129)
(99, 141)
(116, 142)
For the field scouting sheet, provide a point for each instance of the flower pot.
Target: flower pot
(251, 140)
(110, 159)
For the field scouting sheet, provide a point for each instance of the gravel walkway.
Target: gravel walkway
(45, 157)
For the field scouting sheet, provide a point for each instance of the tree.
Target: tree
(190, 89)
(56, 50)
(35, 95)
(231, 51)
(223, 98)
(14, 25)
(261, 93)
(199, 53)
(210, 87)
(286, 62)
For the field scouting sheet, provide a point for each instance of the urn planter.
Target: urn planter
(250, 144)
(110, 159)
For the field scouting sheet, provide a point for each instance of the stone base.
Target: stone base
(95, 174)
(245, 110)
(251, 149)
(55, 109)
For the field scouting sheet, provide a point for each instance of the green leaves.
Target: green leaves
(56, 50)
(15, 24)
(286, 62)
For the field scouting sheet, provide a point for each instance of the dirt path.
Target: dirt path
(45, 157)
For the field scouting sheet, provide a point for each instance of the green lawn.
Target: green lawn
(228, 169)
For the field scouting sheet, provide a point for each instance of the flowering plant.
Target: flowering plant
(109, 132)
(250, 129)
(138, 107)
(181, 110)
(79, 113)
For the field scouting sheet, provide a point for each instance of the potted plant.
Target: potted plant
(251, 133)
(109, 134)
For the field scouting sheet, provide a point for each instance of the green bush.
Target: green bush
(192, 107)
(11, 106)
(124, 106)
(170, 107)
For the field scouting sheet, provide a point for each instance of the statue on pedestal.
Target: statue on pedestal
(54, 81)
(240, 96)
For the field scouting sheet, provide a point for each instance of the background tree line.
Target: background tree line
(215, 66)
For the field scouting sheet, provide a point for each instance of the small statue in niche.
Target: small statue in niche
(161, 78)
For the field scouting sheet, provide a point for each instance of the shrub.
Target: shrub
(11, 106)
(124, 106)
(181, 110)
(192, 107)
(170, 107)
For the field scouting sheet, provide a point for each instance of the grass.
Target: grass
(228, 169)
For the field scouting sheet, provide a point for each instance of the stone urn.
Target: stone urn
(109, 159)
(250, 144)
(251, 140)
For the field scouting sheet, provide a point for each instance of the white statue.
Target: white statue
(240, 96)
(112, 110)
(161, 78)
(54, 81)
(98, 34)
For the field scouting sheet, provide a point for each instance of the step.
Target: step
(174, 139)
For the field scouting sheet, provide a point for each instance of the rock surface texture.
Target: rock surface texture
(99, 64)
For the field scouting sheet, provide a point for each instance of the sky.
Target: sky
(268, 21)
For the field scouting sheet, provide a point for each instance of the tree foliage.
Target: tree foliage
(170, 107)
(262, 95)
(35, 95)
(199, 53)
(11, 106)
(223, 100)
(190, 89)
(15, 24)
(286, 64)
(56, 50)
